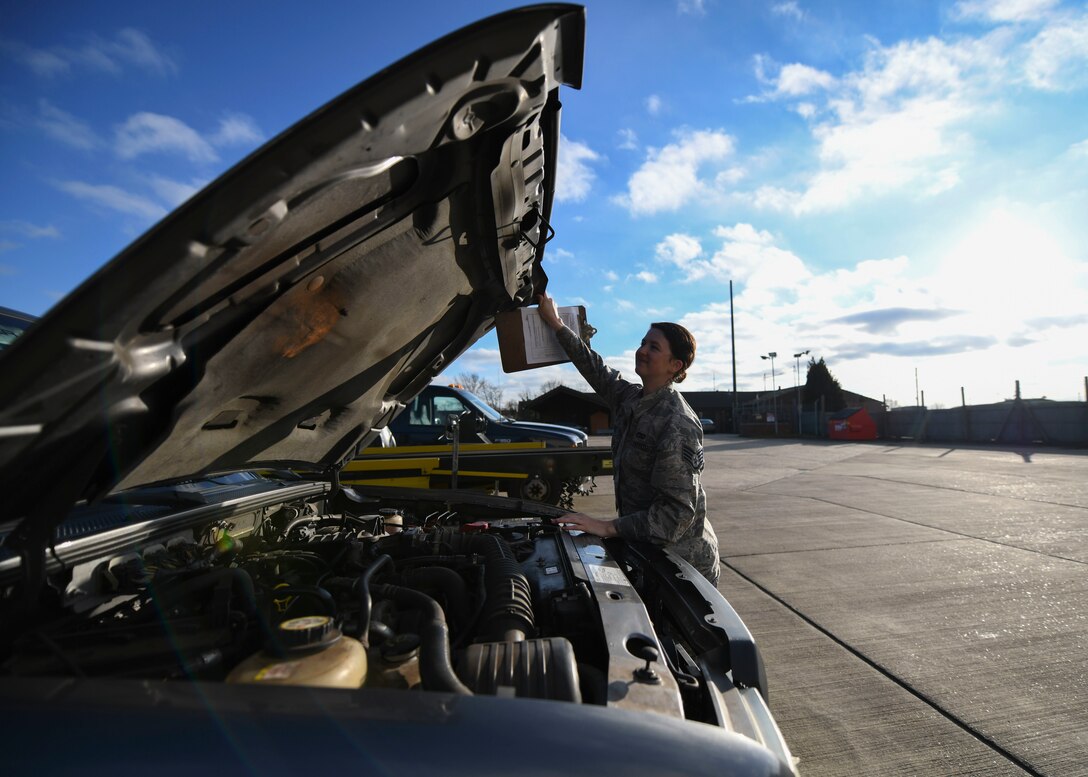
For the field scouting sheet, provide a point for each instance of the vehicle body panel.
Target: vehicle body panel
(280, 731)
(500, 466)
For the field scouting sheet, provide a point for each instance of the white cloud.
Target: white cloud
(669, 177)
(146, 133)
(746, 255)
(876, 320)
(611, 276)
(27, 229)
(805, 110)
(574, 176)
(136, 48)
(1079, 149)
(776, 198)
(898, 122)
(883, 153)
(628, 140)
(560, 254)
(790, 9)
(693, 7)
(915, 68)
(793, 80)
(728, 177)
(44, 63)
(128, 48)
(175, 192)
(7, 245)
(645, 276)
(64, 127)
(1002, 10)
(796, 79)
(678, 249)
(113, 198)
(653, 105)
(1057, 55)
(745, 233)
(237, 129)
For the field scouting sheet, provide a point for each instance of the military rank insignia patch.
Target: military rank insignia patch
(694, 458)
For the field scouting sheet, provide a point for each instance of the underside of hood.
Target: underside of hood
(291, 307)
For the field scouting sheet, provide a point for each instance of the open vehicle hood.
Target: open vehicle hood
(291, 307)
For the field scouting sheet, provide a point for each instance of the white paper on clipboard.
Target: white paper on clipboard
(541, 344)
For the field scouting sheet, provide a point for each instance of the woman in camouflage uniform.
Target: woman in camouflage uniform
(657, 444)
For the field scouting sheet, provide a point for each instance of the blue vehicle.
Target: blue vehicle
(425, 421)
(12, 324)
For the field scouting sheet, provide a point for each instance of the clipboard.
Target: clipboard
(526, 342)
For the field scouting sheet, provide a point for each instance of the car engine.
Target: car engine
(414, 596)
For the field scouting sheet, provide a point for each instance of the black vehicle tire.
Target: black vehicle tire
(536, 488)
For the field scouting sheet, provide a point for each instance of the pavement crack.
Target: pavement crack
(928, 526)
(935, 528)
(899, 681)
(842, 547)
(969, 491)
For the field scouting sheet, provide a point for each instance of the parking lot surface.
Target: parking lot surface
(921, 609)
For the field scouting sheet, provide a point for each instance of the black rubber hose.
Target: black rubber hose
(365, 603)
(449, 585)
(240, 581)
(435, 667)
(509, 597)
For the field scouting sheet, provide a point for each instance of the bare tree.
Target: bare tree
(481, 387)
(526, 396)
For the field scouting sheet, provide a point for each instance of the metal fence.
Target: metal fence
(1027, 422)
(1017, 421)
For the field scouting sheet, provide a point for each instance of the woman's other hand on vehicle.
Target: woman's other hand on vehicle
(598, 527)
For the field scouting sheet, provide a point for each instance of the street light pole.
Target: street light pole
(797, 383)
(771, 356)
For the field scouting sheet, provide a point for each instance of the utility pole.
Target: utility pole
(733, 344)
(797, 384)
(770, 355)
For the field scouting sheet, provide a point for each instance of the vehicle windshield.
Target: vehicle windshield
(12, 324)
(489, 412)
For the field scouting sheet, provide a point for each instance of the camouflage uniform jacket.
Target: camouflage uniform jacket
(657, 450)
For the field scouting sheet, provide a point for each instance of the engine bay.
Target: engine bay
(410, 594)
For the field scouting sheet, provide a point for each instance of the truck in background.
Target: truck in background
(426, 418)
(533, 461)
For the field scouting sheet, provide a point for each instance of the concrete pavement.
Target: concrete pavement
(921, 609)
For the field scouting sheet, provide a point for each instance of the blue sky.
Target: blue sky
(894, 187)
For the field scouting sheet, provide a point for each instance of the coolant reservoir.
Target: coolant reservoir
(315, 654)
(396, 663)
